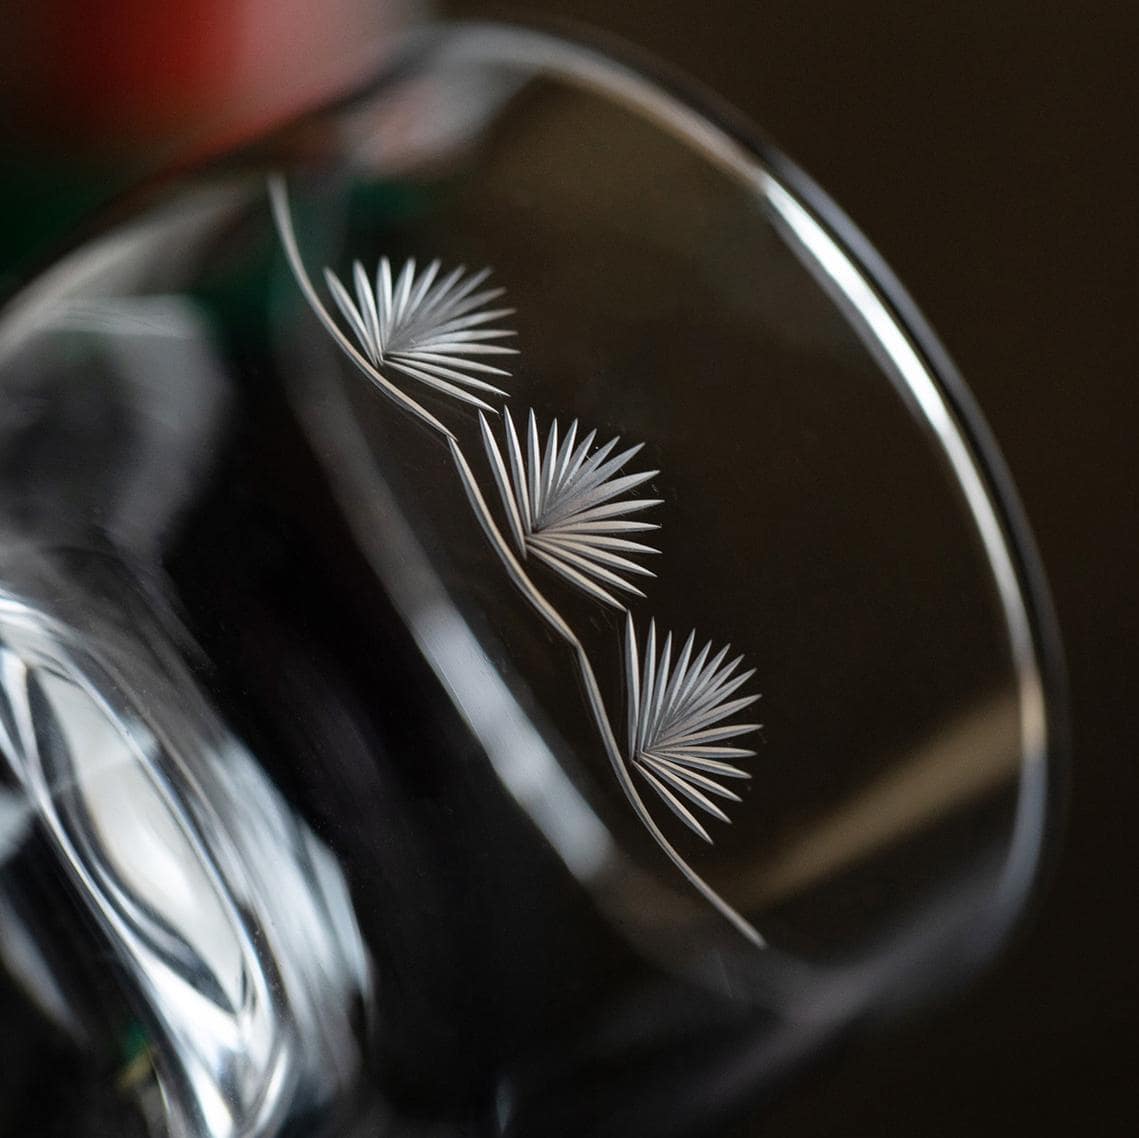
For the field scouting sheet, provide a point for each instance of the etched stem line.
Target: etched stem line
(593, 694)
(279, 201)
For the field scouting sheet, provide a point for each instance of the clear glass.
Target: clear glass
(352, 782)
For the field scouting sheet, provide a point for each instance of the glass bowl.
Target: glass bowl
(375, 757)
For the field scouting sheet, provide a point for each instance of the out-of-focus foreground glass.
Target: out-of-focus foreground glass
(374, 757)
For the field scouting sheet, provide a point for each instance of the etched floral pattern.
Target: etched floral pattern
(567, 507)
(564, 506)
(428, 329)
(677, 738)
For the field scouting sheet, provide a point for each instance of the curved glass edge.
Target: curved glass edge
(233, 928)
(1049, 777)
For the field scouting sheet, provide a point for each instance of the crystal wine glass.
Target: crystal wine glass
(509, 623)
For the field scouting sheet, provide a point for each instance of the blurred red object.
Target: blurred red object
(96, 95)
(136, 74)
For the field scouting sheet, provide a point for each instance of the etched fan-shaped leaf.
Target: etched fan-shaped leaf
(429, 329)
(563, 505)
(678, 739)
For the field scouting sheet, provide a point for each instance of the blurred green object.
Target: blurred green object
(42, 201)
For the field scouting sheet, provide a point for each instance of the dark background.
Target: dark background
(988, 149)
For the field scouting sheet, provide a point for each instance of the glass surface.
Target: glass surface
(348, 786)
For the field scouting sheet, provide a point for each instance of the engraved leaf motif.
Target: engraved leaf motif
(563, 505)
(430, 329)
(678, 740)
